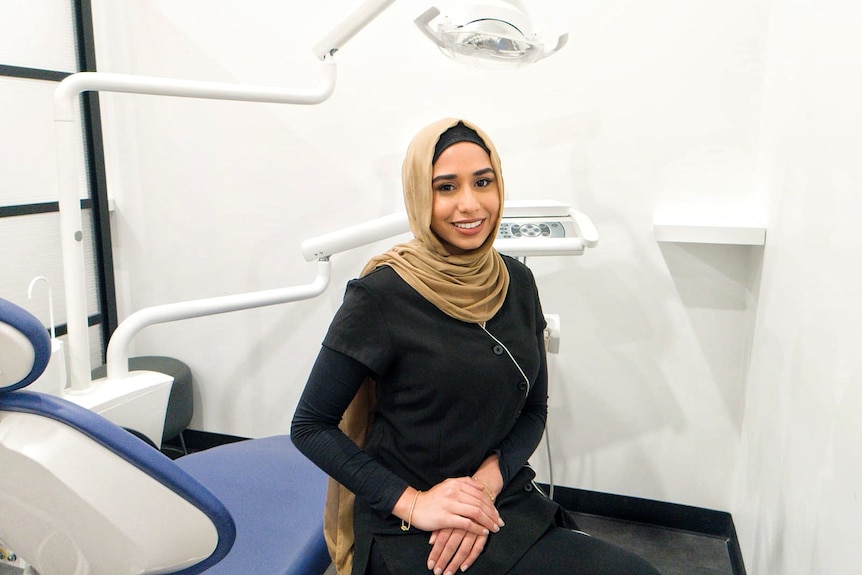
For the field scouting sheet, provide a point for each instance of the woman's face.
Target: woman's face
(466, 197)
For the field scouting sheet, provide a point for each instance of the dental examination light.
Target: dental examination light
(499, 35)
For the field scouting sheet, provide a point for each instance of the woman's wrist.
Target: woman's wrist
(405, 502)
(489, 475)
(486, 487)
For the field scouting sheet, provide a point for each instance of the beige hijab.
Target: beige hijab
(469, 287)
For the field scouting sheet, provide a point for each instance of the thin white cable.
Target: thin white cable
(523, 260)
(550, 460)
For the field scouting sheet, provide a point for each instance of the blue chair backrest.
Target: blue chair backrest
(25, 347)
(81, 495)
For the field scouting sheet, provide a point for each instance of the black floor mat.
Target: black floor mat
(671, 551)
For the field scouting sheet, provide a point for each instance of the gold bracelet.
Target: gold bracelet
(488, 487)
(410, 515)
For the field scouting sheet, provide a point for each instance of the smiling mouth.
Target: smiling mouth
(468, 225)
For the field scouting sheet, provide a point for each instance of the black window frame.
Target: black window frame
(94, 157)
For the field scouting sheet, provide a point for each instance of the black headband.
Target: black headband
(457, 133)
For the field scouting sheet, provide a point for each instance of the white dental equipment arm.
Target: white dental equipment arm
(321, 247)
(350, 26)
(355, 236)
(118, 346)
(71, 228)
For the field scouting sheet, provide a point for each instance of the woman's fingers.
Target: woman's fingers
(458, 504)
(473, 554)
(443, 548)
(481, 507)
(472, 501)
(463, 515)
(455, 550)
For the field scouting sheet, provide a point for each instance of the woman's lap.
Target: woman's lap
(562, 551)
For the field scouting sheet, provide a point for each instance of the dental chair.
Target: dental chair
(81, 496)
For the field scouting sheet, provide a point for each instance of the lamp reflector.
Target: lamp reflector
(487, 35)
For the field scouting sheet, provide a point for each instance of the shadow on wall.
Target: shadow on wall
(638, 346)
(613, 389)
(718, 286)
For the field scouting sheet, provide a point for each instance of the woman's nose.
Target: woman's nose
(468, 200)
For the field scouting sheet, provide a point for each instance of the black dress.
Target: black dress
(449, 393)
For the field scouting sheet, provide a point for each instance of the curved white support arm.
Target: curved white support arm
(355, 236)
(71, 228)
(118, 347)
(358, 19)
(67, 92)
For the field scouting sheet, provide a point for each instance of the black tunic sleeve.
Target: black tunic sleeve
(332, 384)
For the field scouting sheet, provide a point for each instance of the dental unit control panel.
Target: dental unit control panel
(533, 229)
(543, 227)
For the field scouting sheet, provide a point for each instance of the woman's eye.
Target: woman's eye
(482, 183)
(445, 188)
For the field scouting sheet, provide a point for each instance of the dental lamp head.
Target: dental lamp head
(497, 36)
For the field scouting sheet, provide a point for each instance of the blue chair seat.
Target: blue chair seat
(275, 496)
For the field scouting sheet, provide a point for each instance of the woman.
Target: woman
(450, 334)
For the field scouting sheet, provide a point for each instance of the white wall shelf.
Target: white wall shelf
(709, 231)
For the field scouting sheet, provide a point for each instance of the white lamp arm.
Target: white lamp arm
(562, 40)
(423, 22)
(118, 347)
(67, 92)
(347, 29)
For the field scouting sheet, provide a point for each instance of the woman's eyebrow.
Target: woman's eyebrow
(453, 176)
(444, 177)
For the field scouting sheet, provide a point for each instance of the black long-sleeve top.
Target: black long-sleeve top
(449, 393)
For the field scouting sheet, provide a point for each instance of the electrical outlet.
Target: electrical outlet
(552, 333)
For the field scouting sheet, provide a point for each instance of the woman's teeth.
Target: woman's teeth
(469, 226)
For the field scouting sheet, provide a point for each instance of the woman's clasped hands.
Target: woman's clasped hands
(460, 514)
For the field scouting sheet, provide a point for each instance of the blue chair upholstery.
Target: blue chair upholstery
(81, 495)
(25, 348)
(276, 497)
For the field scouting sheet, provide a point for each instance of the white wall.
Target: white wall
(649, 107)
(720, 108)
(797, 503)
